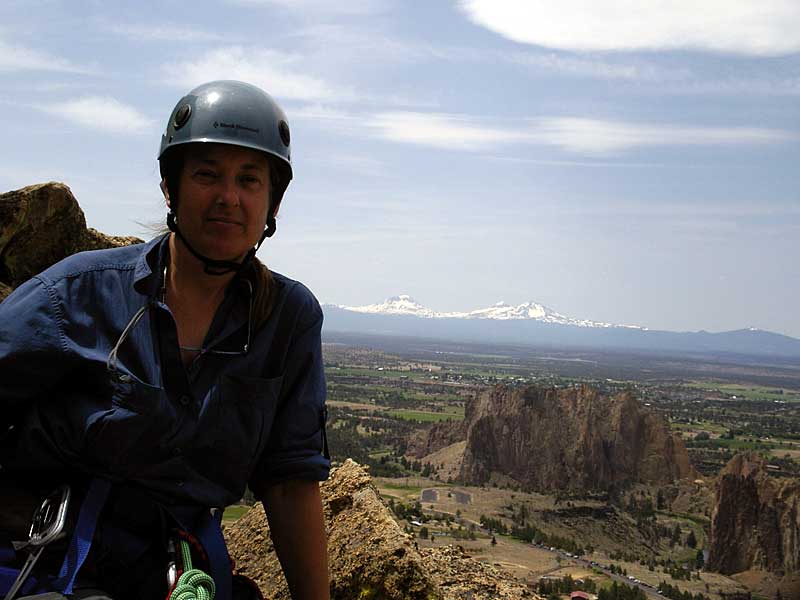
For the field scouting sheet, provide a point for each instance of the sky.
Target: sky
(621, 161)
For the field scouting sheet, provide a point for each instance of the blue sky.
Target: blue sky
(616, 163)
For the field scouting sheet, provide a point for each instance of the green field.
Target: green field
(233, 512)
(748, 392)
(700, 426)
(425, 416)
(388, 373)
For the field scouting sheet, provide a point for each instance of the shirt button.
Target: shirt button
(185, 400)
(177, 451)
(180, 483)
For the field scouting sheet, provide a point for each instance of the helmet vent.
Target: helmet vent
(283, 129)
(182, 116)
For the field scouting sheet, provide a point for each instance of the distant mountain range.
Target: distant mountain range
(534, 324)
(406, 305)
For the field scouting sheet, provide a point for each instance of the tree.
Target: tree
(691, 540)
(699, 560)
(676, 535)
(494, 541)
(423, 533)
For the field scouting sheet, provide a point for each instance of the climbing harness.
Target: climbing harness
(49, 524)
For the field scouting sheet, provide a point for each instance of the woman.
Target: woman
(159, 380)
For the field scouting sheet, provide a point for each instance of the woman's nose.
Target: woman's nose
(228, 193)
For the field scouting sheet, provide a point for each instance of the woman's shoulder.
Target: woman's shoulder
(122, 258)
(295, 295)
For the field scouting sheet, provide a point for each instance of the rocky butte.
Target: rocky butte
(570, 439)
(755, 524)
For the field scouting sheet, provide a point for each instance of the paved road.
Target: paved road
(649, 591)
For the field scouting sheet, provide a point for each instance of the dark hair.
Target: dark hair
(171, 167)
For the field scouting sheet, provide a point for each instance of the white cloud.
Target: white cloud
(275, 72)
(751, 27)
(20, 58)
(102, 113)
(575, 135)
(161, 32)
(325, 7)
(583, 67)
(595, 136)
(455, 132)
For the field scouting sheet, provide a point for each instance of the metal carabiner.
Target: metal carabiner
(47, 525)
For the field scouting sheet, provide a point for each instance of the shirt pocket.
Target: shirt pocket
(125, 434)
(242, 415)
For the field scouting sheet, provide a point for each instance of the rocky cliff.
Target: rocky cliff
(369, 555)
(40, 225)
(575, 438)
(755, 523)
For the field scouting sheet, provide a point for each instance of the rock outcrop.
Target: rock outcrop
(568, 439)
(369, 555)
(437, 436)
(40, 225)
(755, 523)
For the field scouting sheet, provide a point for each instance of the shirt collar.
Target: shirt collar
(147, 274)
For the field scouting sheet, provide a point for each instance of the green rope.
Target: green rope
(194, 584)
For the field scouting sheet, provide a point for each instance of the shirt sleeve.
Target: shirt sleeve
(33, 350)
(297, 445)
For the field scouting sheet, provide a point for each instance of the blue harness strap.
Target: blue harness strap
(81, 541)
(209, 532)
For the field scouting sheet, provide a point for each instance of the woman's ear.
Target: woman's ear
(165, 191)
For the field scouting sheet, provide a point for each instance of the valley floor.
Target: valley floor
(451, 512)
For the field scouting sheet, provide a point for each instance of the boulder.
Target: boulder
(40, 225)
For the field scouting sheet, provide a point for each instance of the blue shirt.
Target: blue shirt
(193, 435)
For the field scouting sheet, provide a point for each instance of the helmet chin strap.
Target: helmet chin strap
(212, 266)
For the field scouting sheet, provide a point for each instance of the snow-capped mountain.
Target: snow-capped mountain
(406, 305)
(533, 324)
(396, 305)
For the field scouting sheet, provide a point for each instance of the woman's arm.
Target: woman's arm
(297, 524)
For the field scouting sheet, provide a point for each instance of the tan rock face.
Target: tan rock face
(369, 555)
(40, 225)
(755, 524)
(545, 438)
(460, 577)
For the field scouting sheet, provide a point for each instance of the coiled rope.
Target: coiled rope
(194, 584)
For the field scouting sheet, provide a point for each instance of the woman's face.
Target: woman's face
(223, 199)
